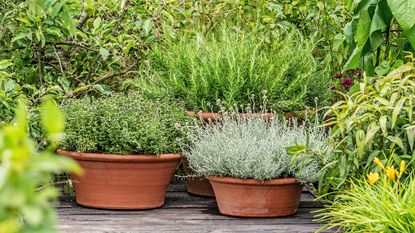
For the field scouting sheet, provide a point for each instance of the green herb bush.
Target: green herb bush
(236, 67)
(26, 195)
(375, 119)
(123, 124)
(254, 148)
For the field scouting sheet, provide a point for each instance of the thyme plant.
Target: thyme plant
(254, 148)
(122, 124)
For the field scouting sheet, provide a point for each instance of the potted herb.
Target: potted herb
(237, 68)
(247, 163)
(128, 147)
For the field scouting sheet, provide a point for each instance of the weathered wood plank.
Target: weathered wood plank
(181, 213)
(185, 200)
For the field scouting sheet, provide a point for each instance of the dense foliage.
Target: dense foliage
(122, 124)
(253, 148)
(26, 196)
(383, 203)
(379, 33)
(236, 68)
(375, 119)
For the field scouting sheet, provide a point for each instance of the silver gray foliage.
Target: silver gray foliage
(254, 148)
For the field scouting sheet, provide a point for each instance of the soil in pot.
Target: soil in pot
(252, 198)
(197, 185)
(122, 181)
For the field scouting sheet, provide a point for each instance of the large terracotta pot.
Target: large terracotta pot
(122, 181)
(196, 185)
(252, 198)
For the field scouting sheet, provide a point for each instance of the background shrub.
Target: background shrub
(253, 148)
(123, 124)
(237, 68)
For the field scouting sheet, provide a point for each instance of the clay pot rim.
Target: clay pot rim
(120, 158)
(219, 115)
(231, 180)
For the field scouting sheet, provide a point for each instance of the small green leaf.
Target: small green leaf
(360, 142)
(382, 123)
(397, 141)
(104, 53)
(383, 68)
(52, 120)
(396, 111)
(97, 22)
(410, 133)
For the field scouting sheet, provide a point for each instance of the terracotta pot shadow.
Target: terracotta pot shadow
(252, 198)
(122, 181)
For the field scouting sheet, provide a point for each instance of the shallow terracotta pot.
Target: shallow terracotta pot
(212, 116)
(197, 185)
(122, 181)
(252, 198)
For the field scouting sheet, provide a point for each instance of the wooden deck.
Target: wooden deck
(181, 213)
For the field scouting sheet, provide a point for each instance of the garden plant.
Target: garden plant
(249, 155)
(111, 83)
(27, 195)
(375, 119)
(236, 67)
(123, 136)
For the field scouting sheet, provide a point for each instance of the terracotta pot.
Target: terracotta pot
(197, 185)
(252, 198)
(122, 181)
(211, 116)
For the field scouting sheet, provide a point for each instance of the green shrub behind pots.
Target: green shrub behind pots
(236, 67)
(123, 124)
(254, 148)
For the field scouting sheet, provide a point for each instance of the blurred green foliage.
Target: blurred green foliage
(26, 194)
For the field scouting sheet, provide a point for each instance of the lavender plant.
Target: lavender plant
(255, 148)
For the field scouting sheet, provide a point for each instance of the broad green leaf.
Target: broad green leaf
(56, 9)
(353, 61)
(383, 68)
(363, 29)
(382, 122)
(371, 132)
(397, 141)
(52, 120)
(33, 215)
(103, 89)
(4, 64)
(349, 31)
(147, 26)
(411, 36)
(396, 111)
(97, 23)
(360, 142)
(410, 133)
(21, 35)
(403, 11)
(376, 29)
